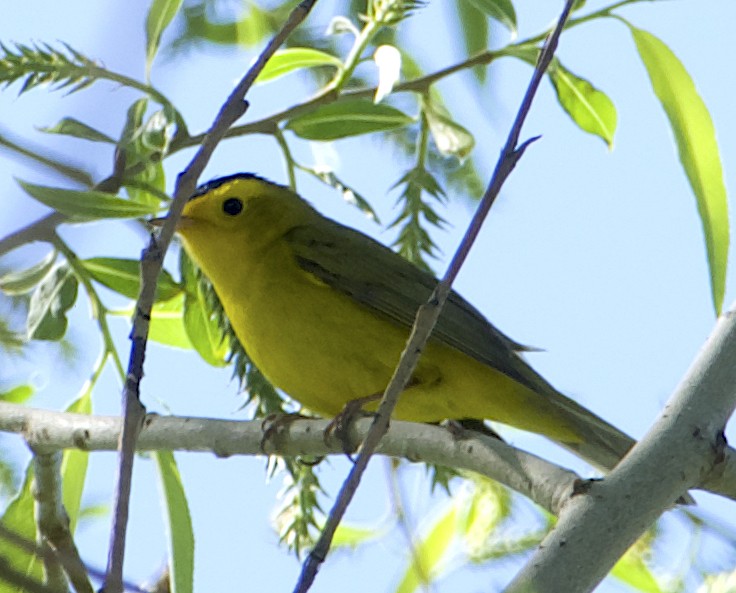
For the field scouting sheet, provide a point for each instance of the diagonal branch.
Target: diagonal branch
(683, 448)
(151, 263)
(428, 314)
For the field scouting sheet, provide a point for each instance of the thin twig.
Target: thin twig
(53, 525)
(429, 313)
(152, 260)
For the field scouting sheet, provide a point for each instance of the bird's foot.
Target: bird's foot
(274, 424)
(341, 424)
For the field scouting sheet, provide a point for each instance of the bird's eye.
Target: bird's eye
(232, 206)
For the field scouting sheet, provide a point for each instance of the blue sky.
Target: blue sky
(596, 256)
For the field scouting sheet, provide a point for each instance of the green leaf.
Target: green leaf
(19, 518)
(18, 394)
(425, 563)
(123, 276)
(347, 118)
(178, 523)
(167, 324)
(69, 126)
(148, 186)
(201, 324)
(158, 18)
(87, 205)
(450, 137)
(698, 150)
(23, 281)
(49, 304)
(289, 60)
(74, 466)
(588, 107)
(348, 193)
(474, 27)
(352, 536)
(633, 571)
(501, 10)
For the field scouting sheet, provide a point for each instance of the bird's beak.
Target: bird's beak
(183, 223)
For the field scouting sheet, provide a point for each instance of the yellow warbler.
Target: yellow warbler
(325, 311)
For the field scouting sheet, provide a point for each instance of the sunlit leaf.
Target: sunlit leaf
(49, 303)
(589, 108)
(474, 28)
(347, 118)
(201, 324)
(160, 14)
(348, 193)
(17, 395)
(425, 559)
(19, 518)
(450, 137)
(74, 466)
(87, 205)
(69, 126)
(295, 58)
(501, 10)
(178, 523)
(123, 276)
(632, 570)
(695, 135)
(23, 281)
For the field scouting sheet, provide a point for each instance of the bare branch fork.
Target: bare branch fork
(151, 263)
(684, 448)
(429, 313)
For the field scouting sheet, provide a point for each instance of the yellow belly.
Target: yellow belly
(324, 349)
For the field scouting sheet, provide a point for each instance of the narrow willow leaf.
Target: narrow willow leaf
(633, 571)
(429, 552)
(348, 193)
(23, 281)
(589, 108)
(347, 118)
(352, 536)
(289, 60)
(74, 466)
(388, 61)
(123, 276)
(201, 323)
(450, 137)
(167, 324)
(19, 518)
(87, 205)
(501, 10)
(178, 523)
(148, 186)
(474, 27)
(695, 135)
(69, 126)
(49, 304)
(159, 17)
(17, 395)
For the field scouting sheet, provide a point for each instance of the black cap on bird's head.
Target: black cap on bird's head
(218, 181)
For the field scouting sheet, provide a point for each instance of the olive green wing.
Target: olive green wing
(376, 277)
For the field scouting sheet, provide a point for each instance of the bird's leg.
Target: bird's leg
(273, 424)
(340, 424)
(460, 428)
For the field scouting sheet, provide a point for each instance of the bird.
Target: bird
(324, 312)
